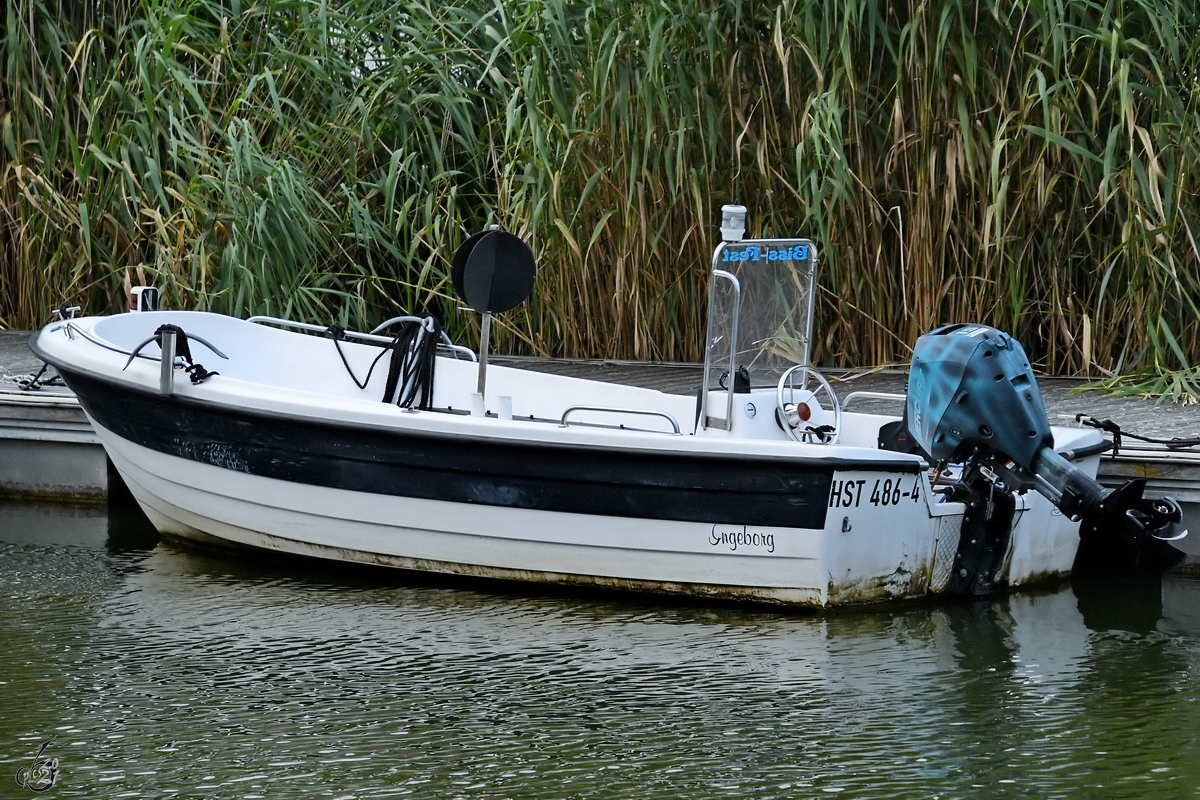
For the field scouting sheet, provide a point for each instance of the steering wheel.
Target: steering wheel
(794, 414)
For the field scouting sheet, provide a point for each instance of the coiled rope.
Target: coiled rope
(410, 370)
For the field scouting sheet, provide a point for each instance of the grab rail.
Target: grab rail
(705, 419)
(850, 398)
(609, 410)
(71, 329)
(447, 343)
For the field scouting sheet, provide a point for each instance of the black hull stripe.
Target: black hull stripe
(708, 488)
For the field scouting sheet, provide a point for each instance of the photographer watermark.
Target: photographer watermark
(41, 775)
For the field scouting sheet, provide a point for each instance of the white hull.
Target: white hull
(888, 553)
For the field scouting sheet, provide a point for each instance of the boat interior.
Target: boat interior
(758, 381)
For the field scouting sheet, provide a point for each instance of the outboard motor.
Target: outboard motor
(973, 399)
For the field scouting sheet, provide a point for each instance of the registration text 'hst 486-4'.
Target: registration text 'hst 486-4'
(851, 493)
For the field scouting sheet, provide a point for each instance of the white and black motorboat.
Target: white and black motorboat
(762, 486)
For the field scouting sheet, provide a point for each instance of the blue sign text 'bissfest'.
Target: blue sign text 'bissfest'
(754, 252)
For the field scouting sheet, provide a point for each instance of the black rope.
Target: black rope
(195, 371)
(821, 431)
(410, 369)
(410, 373)
(338, 333)
(36, 381)
(198, 373)
(182, 348)
(1108, 426)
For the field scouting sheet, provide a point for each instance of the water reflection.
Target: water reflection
(86, 524)
(1120, 602)
(48, 525)
(165, 671)
(1181, 607)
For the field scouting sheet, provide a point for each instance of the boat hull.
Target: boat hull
(192, 500)
(291, 471)
(883, 554)
(473, 470)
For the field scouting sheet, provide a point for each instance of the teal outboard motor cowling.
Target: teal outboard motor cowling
(971, 388)
(973, 400)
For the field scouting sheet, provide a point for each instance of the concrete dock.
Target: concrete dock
(47, 447)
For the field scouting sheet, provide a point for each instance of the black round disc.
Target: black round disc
(493, 271)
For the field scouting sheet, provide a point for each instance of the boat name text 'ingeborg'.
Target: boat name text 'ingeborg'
(733, 538)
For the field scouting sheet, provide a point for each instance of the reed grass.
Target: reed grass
(1028, 165)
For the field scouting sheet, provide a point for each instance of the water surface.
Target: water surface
(159, 671)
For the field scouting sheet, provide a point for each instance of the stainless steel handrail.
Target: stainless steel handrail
(609, 410)
(72, 329)
(447, 343)
(705, 419)
(446, 340)
(850, 398)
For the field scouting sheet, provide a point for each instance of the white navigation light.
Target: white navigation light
(143, 298)
(733, 223)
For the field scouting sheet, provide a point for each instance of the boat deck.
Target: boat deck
(47, 447)
(1063, 397)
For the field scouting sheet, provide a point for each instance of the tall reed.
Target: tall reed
(1028, 165)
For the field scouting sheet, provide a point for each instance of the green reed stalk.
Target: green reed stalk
(1028, 165)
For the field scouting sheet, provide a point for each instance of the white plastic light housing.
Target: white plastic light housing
(733, 223)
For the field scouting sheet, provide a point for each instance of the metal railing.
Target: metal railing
(705, 419)
(446, 344)
(610, 410)
(853, 396)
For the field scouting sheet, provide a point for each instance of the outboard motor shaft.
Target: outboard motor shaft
(973, 399)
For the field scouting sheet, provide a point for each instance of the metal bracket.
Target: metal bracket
(166, 374)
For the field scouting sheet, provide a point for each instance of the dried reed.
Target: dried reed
(1027, 165)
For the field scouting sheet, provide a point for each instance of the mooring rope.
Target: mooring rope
(183, 350)
(1108, 426)
(339, 333)
(29, 383)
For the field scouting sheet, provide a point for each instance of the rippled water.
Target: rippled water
(164, 672)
